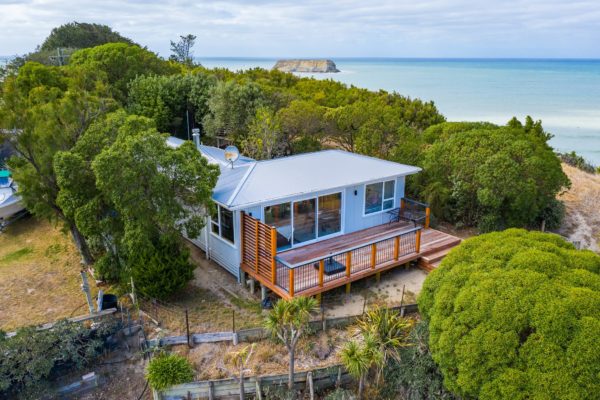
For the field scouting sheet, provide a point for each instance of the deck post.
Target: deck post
(291, 291)
(348, 269)
(396, 248)
(373, 255)
(348, 286)
(378, 276)
(273, 254)
(256, 247)
(402, 203)
(263, 292)
(427, 217)
(418, 242)
(321, 272)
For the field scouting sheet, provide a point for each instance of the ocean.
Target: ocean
(564, 94)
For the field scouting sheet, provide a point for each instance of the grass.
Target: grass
(39, 275)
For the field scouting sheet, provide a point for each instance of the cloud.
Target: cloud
(378, 28)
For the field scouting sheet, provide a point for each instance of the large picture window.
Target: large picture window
(280, 216)
(222, 223)
(304, 220)
(379, 196)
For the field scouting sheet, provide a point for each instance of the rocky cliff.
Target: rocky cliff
(306, 66)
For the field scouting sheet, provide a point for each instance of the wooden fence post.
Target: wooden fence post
(258, 389)
(427, 217)
(418, 242)
(396, 248)
(321, 272)
(311, 388)
(187, 329)
(211, 390)
(348, 269)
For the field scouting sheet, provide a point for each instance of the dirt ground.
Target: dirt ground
(39, 275)
(367, 292)
(582, 201)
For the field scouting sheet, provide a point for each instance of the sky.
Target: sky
(334, 28)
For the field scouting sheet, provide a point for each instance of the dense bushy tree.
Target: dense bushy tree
(133, 194)
(171, 100)
(81, 35)
(45, 110)
(515, 315)
(264, 139)
(232, 107)
(303, 126)
(121, 62)
(492, 176)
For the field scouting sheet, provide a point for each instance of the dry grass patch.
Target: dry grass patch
(39, 275)
(268, 357)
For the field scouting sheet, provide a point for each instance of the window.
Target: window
(280, 216)
(379, 196)
(330, 214)
(222, 223)
(305, 220)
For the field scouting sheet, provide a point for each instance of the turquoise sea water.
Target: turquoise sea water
(564, 94)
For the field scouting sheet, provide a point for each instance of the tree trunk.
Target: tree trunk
(291, 373)
(81, 244)
(360, 386)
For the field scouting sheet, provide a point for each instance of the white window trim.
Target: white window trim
(383, 199)
(218, 223)
(316, 197)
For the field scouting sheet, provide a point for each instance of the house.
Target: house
(307, 223)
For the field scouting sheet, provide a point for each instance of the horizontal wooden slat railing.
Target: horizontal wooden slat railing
(336, 269)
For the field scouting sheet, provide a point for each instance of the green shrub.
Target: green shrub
(516, 315)
(167, 370)
(415, 376)
(162, 270)
(493, 177)
(32, 358)
(577, 161)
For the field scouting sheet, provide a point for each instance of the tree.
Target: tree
(302, 126)
(240, 359)
(140, 195)
(49, 108)
(288, 321)
(359, 357)
(264, 136)
(232, 107)
(172, 101)
(121, 63)
(490, 176)
(81, 35)
(514, 315)
(182, 50)
(388, 331)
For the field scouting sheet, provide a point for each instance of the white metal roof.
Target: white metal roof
(252, 182)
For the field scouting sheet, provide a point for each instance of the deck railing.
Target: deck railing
(415, 211)
(344, 265)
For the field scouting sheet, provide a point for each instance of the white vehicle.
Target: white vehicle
(10, 202)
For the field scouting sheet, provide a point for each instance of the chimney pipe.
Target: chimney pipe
(196, 137)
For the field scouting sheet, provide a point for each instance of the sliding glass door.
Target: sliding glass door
(305, 220)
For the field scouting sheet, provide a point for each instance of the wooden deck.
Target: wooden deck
(325, 265)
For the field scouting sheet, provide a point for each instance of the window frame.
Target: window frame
(383, 198)
(316, 197)
(217, 223)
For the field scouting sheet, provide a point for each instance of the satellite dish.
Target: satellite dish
(232, 154)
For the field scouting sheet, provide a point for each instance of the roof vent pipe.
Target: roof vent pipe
(196, 137)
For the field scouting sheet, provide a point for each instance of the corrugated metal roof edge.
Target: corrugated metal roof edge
(243, 205)
(262, 162)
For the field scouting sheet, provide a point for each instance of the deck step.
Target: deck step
(437, 256)
(435, 248)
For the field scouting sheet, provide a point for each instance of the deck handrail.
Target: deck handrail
(355, 247)
(415, 202)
